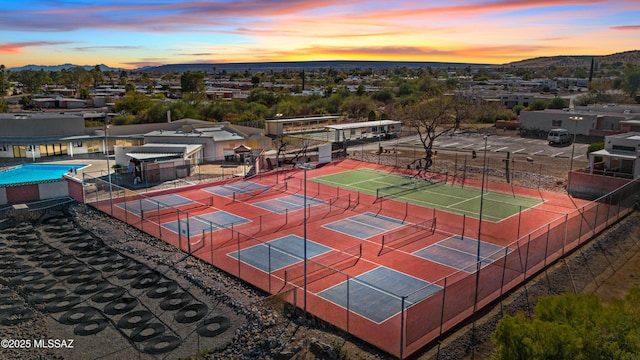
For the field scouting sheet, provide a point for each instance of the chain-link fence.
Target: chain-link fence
(417, 317)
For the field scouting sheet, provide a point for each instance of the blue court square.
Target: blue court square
(462, 253)
(154, 203)
(239, 187)
(365, 225)
(197, 225)
(377, 294)
(279, 253)
(287, 203)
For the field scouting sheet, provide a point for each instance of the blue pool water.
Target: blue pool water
(30, 173)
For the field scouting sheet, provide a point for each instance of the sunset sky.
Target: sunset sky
(132, 33)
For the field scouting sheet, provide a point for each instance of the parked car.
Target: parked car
(558, 136)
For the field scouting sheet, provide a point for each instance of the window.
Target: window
(623, 148)
(19, 151)
(556, 123)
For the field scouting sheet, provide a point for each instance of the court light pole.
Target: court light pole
(478, 262)
(379, 138)
(484, 171)
(305, 167)
(575, 119)
(106, 150)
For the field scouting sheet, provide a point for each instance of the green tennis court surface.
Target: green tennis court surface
(496, 206)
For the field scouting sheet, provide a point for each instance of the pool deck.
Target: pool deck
(97, 167)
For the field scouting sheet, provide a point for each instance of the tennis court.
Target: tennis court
(287, 203)
(377, 294)
(462, 253)
(240, 187)
(364, 226)
(155, 203)
(279, 253)
(432, 192)
(377, 265)
(204, 223)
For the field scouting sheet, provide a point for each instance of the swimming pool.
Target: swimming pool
(31, 173)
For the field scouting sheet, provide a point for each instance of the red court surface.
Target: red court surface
(429, 276)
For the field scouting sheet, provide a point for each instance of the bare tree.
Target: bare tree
(436, 116)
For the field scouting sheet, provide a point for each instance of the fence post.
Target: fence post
(211, 238)
(269, 267)
(595, 220)
(546, 246)
(239, 277)
(444, 293)
(179, 231)
(566, 231)
(188, 233)
(402, 315)
(348, 311)
(504, 270)
(581, 212)
(464, 224)
(519, 221)
(526, 258)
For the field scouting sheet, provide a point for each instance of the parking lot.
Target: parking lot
(497, 144)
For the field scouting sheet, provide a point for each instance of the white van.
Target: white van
(559, 136)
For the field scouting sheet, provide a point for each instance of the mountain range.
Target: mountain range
(628, 57)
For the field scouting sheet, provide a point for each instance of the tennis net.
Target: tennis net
(404, 235)
(163, 210)
(324, 265)
(395, 190)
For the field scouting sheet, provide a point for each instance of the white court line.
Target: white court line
(517, 151)
(502, 148)
(364, 224)
(448, 145)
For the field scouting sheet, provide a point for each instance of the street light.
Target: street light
(573, 145)
(305, 167)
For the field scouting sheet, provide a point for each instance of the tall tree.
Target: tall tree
(631, 81)
(2, 80)
(192, 82)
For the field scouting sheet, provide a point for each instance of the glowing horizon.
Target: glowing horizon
(131, 34)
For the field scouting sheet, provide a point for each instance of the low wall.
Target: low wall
(592, 186)
(16, 194)
(75, 189)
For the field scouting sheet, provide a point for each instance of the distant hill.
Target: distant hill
(627, 57)
(307, 65)
(623, 58)
(63, 66)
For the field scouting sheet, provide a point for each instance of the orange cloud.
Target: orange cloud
(16, 48)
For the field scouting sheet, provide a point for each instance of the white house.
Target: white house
(621, 155)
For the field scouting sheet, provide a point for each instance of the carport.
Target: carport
(616, 162)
